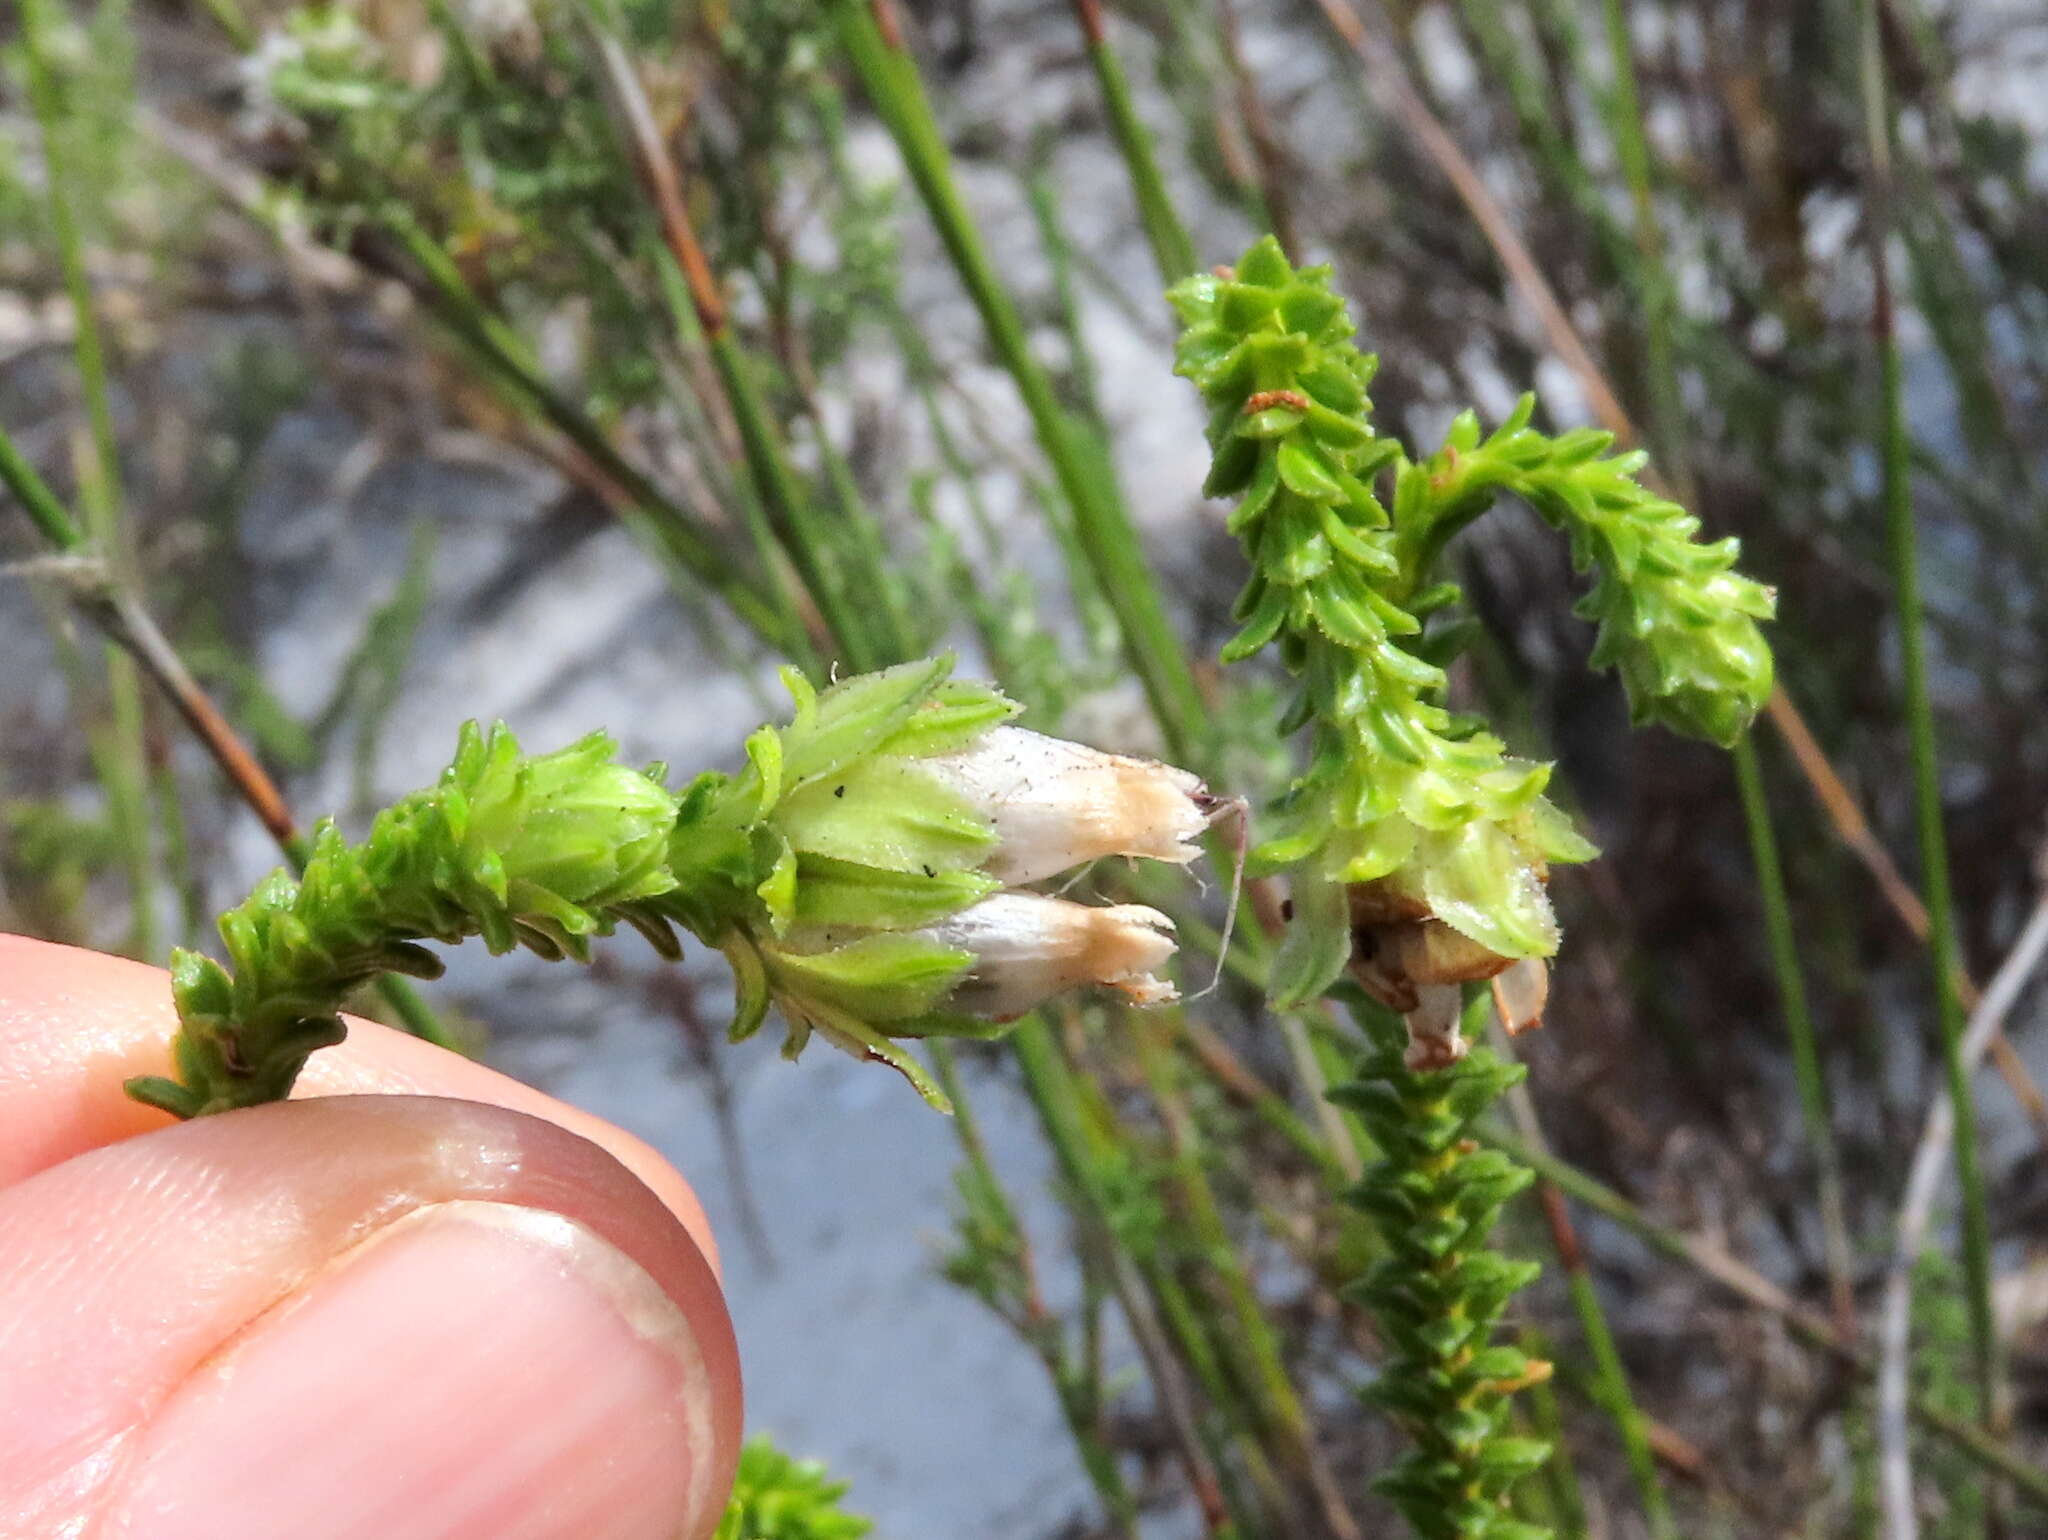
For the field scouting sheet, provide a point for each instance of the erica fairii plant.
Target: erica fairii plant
(1418, 849)
(1407, 815)
(862, 874)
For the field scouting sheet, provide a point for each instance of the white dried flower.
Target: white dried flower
(1028, 948)
(1056, 805)
(1434, 1038)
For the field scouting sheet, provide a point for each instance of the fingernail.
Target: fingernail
(474, 1370)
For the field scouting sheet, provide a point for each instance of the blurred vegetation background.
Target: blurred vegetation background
(365, 367)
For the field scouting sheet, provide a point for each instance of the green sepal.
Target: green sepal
(829, 891)
(778, 890)
(884, 977)
(885, 812)
(956, 713)
(849, 1032)
(1318, 942)
(751, 995)
(854, 718)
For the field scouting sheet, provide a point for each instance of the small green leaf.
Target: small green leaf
(878, 978)
(834, 892)
(1303, 473)
(1317, 944)
(856, 716)
(750, 988)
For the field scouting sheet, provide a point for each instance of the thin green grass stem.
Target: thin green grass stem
(678, 537)
(1560, 1476)
(1809, 1326)
(1045, 1334)
(119, 754)
(55, 523)
(1173, 250)
(1902, 541)
(1204, 1455)
(1806, 1065)
(1100, 519)
(1252, 1343)
(1622, 104)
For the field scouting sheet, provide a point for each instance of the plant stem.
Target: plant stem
(37, 19)
(1269, 159)
(676, 536)
(1100, 519)
(1046, 1081)
(118, 752)
(1251, 1336)
(1738, 1278)
(1173, 252)
(1560, 1476)
(1610, 1376)
(1659, 293)
(119, 615)
(808, 543)
(1813, 1096)
(1040, 1328)
(1919, 709)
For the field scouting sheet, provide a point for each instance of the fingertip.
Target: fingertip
(75, 1025)
(375, 1308)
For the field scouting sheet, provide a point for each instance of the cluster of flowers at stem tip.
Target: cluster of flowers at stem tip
(1419, 847)
(864, 873)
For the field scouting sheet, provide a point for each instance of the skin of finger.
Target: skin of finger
(75, 1024)
(126, 1269)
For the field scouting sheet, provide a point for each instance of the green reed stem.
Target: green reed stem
(37, 20)
(57, 526)
(773, 560)
(1173, 250)
(1040, 188)
(1249, 1338)
(1560, 1479)
(1902, 542)
(1100, 519)
(1659, 292)
(812, 545)
(1041, 1328)
(121, 759)
(809, 543)
(675, 534)
(119, 754)
(1223, 1364)
(49, 515)
(1052, 1092)
(1784, 946)
(1811, 1328)
(180, 874)
(1612, 1393)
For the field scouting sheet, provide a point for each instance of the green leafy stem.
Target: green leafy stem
(1399, 791)
(862, 873)
(1417, 849)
